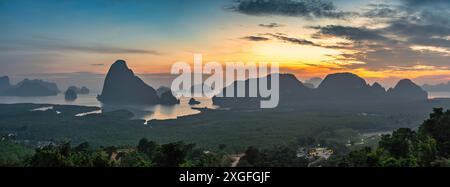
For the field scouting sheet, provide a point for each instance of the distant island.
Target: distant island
(28, 88)
(339, 88)
(70, 95)
(4, 83)
(122, 86)
(82, 91)
(442, 87)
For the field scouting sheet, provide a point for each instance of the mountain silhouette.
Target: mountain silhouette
(339, 88)
(291, 91)
(348, 86)
(28, 88)
(407, 90)
(4, 83)
(122, 86)
(378, 90)
(341, 82)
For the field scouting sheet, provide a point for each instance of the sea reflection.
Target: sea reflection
(162, 112)
(145, 112)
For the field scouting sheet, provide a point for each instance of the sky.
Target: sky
(380, 40)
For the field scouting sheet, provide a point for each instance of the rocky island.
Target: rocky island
(4, 83)
(28, 88)
(82, 91)
(122, 86)
(337, 89)
(70, 95)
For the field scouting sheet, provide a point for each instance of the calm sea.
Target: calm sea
(158, 112)
(433, 95)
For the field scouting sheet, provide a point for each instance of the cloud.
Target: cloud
(48, 44)
(408, 29)
(411, 35)
(103, 49)
(255, 38)
(298, 41)
(352, 33)
(427, 33)
(271, 25)
(427, 12)
(293, 8)
(425, 2)
(385, 57)
(379, 52)
(435, 42)
(380, 11)
(279, 36)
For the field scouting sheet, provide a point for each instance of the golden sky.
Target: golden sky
(379, 40)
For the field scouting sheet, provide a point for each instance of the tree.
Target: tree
(222, 147)
(406, 148)
(135, 159)
(278, 156)
(147, 147)
(362, 158)
(110, 150)
(426, 151)
(82, 147)
(64, 155)
(252, 155)
(438, 127)
(399, 144)
(172, 154)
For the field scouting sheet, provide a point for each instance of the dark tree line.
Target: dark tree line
(429, 146)
(278, 156)
(145, 154)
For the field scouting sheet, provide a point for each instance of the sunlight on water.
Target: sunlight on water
(43, 109)
(88, 113)
(161, 112)
(433, 95)
(147, 113)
